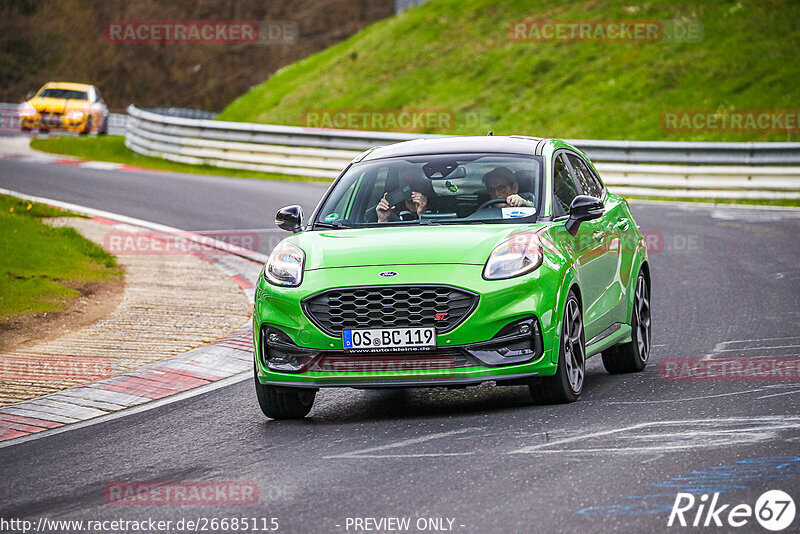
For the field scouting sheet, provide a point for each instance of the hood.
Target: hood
(465, 244)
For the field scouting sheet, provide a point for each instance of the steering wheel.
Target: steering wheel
(491, 202)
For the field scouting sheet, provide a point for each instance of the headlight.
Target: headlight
(285, 265)
(26, 109)
(518, 255)
(74, 114)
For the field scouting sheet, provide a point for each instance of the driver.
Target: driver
(502, 183)
(416, 205)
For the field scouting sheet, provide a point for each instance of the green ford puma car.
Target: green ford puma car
(448, 262)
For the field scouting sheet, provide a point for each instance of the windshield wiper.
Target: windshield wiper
(334, 225)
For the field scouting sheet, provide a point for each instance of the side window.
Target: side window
(587, 181)
(342, 208)
(564, 190)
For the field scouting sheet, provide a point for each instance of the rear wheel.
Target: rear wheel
(284, 403)
(632, 357)
(566, 385)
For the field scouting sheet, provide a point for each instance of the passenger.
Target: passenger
(418, 203)
(502, 183)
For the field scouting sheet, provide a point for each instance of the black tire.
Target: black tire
(284, 403)
(88, 127)
(632, 357)
(566, 385)
(104, 127)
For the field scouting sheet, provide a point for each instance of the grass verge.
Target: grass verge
(42, 267)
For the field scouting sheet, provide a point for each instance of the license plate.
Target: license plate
(389, 339)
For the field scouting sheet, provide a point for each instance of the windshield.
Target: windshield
(68, 94)
(435, 189)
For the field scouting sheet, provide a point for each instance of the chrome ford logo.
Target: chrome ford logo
(387, 274)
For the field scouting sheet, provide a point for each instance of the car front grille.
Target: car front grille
(444, 307)
(48, 118)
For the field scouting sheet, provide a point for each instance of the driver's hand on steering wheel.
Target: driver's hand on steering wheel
(516, 201)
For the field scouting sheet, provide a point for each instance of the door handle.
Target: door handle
(623, 224)
(598, 235)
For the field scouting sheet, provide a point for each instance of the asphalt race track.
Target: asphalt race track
(726, 282)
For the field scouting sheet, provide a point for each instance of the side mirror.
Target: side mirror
(29, 95)
(290, 219)
(583, 208)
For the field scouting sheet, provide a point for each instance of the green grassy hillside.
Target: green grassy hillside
(456, 55)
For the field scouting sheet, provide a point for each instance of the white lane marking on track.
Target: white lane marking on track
(686, 399)
(365, 453)
(688, 434)
(779, 394)
(760, 347)
(655, 437)
(768, 343)
(726, 343)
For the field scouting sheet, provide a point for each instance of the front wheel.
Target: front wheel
(566, 385)
(88, 127)
(632, 357)
(284, 403)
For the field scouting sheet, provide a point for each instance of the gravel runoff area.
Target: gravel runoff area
(172, 303)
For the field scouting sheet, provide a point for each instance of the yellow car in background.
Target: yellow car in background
(74, 107)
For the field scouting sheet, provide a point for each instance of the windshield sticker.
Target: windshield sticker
(514, 213)
(331, 217)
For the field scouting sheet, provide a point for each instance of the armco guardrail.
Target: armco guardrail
(682, 169)
(9, 117)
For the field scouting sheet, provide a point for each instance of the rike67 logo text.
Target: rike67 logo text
(774, 510)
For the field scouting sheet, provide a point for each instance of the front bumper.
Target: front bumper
(55, 121)
(485, 346)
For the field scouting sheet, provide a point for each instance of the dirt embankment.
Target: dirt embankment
(66, 40)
